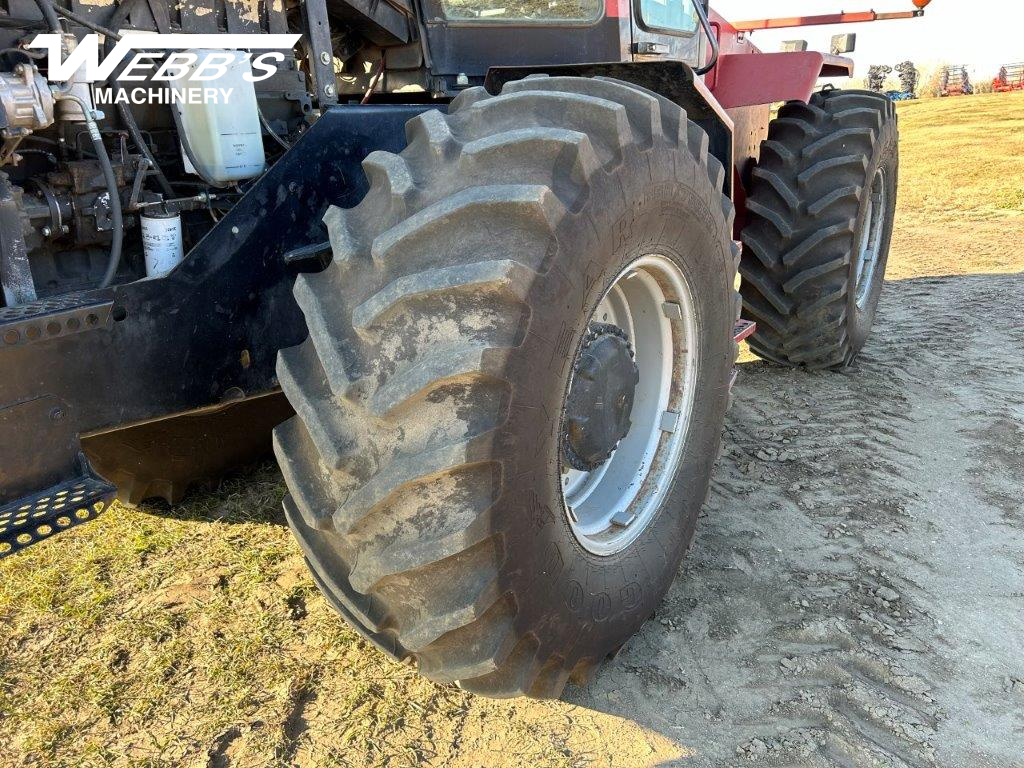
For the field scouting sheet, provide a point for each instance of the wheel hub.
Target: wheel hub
(628, 429)
(600, 399)
(866, 258)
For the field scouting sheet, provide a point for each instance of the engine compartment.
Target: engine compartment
(59, 217)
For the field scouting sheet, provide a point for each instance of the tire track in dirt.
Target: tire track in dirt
(853, 598)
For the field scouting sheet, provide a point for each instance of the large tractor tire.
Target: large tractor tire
(512, 393)
(820, 215)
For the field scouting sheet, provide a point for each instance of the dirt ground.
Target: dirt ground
(854, 597)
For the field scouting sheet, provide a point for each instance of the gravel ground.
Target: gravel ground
(854, 593)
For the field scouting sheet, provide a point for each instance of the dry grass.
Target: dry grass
(962, 185)
(147, 639)
(154, 638)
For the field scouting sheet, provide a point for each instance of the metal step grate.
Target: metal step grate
(740, 331)
(49, 318)
(743, 329)
(30, 520)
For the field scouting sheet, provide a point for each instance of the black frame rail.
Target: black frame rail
(206, 334)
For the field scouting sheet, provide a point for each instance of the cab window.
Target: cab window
(523, 10)
(670, 15)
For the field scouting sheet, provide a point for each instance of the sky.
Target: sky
(983, 34)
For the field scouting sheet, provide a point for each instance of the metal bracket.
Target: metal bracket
(51, 318)
(743, 329)
(740, 331)
(321, 56)
(314, 257)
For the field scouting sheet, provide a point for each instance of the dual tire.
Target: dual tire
(820, 213)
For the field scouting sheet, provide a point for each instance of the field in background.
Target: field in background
(194, 636)
(961, 196)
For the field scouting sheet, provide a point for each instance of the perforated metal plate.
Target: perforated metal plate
(740, 331)
(743, 329)
(28, 521)
(50, 318)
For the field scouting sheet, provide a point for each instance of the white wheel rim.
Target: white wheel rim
(866, 263)
(609, 507)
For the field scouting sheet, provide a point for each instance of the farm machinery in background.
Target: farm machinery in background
(908, 76)
(954, 81)
(1010, 78)
(877, 75)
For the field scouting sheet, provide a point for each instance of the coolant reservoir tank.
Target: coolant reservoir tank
(221, 129)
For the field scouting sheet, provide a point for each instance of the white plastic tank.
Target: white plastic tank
(222, 129)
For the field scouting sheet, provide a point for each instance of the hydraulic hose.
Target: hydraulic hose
(24, 52)
(119, 16)
(702, 14)
(81, 20)
(376, 78)
(140, 141)
(269, 129)
(116, 218)
(50, 16)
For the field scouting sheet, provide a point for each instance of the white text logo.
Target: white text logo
(83, 64)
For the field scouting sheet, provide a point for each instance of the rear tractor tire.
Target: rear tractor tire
(513, 389)
(820, 215)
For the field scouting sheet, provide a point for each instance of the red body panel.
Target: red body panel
(744, 76)
(616, 9)
(745, 80)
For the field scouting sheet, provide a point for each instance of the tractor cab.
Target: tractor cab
(460, 40)
(465, 39)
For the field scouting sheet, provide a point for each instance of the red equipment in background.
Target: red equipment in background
(1010, 78)
(956, 81)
